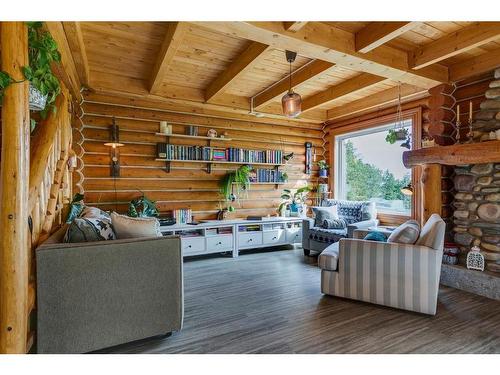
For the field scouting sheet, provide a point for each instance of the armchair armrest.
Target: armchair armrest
(360, 225)
(307, 223)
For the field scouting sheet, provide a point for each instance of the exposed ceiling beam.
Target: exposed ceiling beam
(75, 40)
(310, 71)
(325, 42)
(384, 98)
(240, 65)
(476, 65)
(171, 42)
(360, 82)
(66, 70)
(294, 26)
(472, 36)
(377, 33)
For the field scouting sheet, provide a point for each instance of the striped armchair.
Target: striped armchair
(396, 275)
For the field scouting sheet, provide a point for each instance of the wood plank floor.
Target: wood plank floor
(270, 302)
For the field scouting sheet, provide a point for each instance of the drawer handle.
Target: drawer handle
(219, 243)
(189, 246)
(250, 240)
(275, 237)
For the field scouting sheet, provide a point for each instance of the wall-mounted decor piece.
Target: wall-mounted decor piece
(212, 133)
(114, 143)
(308, 161)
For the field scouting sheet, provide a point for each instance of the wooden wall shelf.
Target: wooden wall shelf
(194, 137)
(221, 162)
(469, 153)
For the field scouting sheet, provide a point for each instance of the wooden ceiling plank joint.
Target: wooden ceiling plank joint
(294, 26)
(377, 33)
(455, 43)
(236, 68)
(171, 42)
(75, 40)
(475, 66)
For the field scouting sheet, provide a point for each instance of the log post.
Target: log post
(14, 174)
(431, 191)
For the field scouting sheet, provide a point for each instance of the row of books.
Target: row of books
(266, 175)
(183, 216)
(249, 228)
(254, 156)
(205, 153)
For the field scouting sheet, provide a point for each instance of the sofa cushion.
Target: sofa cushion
(328, 259)
(376, 236)
(89, 229)
(324, 213)
(133, 227)
(406, 233)
(353, 211)
(326, 235)
(334, 224)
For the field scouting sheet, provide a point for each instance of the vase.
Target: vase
(323, 173)
(37, 100)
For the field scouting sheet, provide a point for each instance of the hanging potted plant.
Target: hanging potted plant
(44, 85)
(394, 135)
(295, 202)
(323, 168)
(231, 186)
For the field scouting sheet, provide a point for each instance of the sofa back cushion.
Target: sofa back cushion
(432, 233)
(324, 213)
(406, 233)
(133, 227)
(353, 211)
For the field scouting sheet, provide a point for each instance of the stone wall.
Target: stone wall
(476, 219)
(477, 211)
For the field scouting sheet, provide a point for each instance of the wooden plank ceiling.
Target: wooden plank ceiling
(221, 66)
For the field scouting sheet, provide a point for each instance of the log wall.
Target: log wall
(187, 185)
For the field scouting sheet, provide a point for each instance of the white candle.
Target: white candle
(470, 110)
(163, 127)
(458, 112)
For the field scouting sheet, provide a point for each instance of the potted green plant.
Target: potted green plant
(44, 85)
(323, 168)
(232, 184)
(142, 207)
(394, 135)
(294, 201)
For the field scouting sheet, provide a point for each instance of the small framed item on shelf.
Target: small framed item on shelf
(219, 154)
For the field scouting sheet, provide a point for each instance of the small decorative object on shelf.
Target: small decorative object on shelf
(470, 133)
(308, 168)
(165, 128)
(493, 135)
(212, 133)
(450, 255)
(323, 168)
(475, 260)
(428, 142)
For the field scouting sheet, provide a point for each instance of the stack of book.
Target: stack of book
(205, 153)
(266, 175)
(183, 216)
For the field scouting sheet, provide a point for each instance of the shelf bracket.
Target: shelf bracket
(168, 166)
(209, 168)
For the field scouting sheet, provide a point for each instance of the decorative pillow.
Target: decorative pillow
(334, 224)
(376, 236)
(353, 211)
(133, 227)
(406, 233)
(323, 213)
(94, 212)
(87, 230)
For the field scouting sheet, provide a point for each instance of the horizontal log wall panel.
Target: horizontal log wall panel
(187, 185)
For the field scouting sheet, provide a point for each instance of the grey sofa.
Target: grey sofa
(95, 295)
(358, 215)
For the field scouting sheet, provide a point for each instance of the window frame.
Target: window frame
(415, 115)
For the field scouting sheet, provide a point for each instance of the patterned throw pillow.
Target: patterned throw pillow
(334, 224)
(324, 213)
(406, 233)
(87, 230)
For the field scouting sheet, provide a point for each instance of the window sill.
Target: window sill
(392, 218)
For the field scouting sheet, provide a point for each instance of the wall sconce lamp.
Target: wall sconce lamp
(407, 190)
(114, 143)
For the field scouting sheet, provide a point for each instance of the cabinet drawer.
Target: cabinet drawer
(219, 243)
(294, 235)
(274, 237)
(192, 245)
(249, 239)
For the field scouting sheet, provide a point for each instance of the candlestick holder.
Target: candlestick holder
(470, 133)
(458, 125)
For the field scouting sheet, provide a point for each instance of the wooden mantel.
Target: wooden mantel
(431, 159)
(470, 153)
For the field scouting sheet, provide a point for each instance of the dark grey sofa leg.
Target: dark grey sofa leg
(307, 252)
(168, 334)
